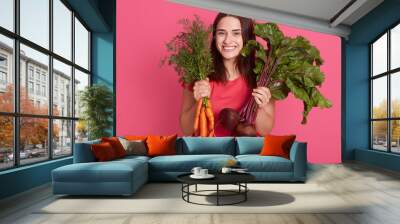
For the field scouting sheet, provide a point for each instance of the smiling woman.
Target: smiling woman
(232, 83)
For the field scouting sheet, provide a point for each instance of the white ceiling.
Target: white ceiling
(326, 16)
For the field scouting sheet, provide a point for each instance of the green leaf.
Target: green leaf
(269, 32)
(319, 100)
(298, 91)
(279, 92)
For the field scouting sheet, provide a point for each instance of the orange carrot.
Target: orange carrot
(210, 118)
(197, 117)
(203, 123)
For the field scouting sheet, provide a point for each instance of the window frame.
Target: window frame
(16, 114)
(388, 74)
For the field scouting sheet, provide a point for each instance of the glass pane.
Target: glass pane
(395, 94)
(6, 142)
(81, 45)
(395, 136)
(35, 21)
(379, 135)
(379, 98)
(81, 131)
(33, 139)
(81, 81)
(395, 47)
(6, 74)
(62, 89)
(379, 55)
(62, 138)
(62, 28)
(7, 14)
(34, 81)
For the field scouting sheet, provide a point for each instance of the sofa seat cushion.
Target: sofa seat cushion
(257, 163)
(111, 171)
(207, 145)
(185, 163)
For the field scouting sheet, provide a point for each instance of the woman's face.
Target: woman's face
(228, 37)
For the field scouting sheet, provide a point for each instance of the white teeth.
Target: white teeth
(229, 48)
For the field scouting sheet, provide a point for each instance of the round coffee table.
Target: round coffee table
(238, 179)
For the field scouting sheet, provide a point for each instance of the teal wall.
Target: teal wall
(99, 15)
(357, 84)
(24, 178)
(103, 62)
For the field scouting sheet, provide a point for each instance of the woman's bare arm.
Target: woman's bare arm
(265, 118)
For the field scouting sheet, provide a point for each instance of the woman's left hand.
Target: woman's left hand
(262, 96)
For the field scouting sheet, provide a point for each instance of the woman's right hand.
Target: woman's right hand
(201, 89)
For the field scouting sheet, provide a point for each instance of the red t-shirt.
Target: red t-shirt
(234, 94)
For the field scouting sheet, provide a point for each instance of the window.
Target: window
(30, 87)
(3, 61)
(7, 14)
(3, 72)
(38, 89)
(3, 78)
(41, 83)
(385, 96)
(81, 45)
(44, 91)
(30, 72)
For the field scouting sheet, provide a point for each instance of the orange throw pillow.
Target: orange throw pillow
(135, 137)
(116, 145)
(103, 151)
(161, 145)
(277, 145)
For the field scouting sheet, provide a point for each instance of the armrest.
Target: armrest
(83, 152)
(298, 155)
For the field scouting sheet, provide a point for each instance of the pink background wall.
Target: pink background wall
(149, 96)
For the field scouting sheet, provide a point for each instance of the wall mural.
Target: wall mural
(228, 50)
(287, 82)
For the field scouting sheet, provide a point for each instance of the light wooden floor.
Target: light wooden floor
(377, 188)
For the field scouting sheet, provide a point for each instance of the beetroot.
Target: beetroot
(229, 118)
(245, 129)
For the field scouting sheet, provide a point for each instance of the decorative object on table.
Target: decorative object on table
(97, 103)
(200, 173)
(190, 55)
(285, 65)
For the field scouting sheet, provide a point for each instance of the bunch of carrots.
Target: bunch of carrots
(204, 119)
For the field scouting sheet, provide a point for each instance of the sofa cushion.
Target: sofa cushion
(185, 163)
(134, 147)
(277, 145)
(112, 171)
(161, 145)
(249, 145)
(257, 163)
(208, 145)
(83, 152)
(116, 145)
(103, 151)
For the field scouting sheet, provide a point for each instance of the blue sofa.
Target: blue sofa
(125, 176)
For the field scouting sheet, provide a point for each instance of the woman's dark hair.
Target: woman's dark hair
(245, 65)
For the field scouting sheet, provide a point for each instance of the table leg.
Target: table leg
(196, 188)
(245, 193)
(217, 194)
